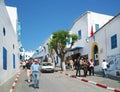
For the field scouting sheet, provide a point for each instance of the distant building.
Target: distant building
(43, 53)
(9, 47)
(28, 54)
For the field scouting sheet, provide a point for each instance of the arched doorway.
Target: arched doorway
(95, 53)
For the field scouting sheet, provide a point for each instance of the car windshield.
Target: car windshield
(47, 64)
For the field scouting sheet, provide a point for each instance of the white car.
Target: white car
(47, 67)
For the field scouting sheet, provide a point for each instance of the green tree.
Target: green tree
(51, 51)
(58, 43)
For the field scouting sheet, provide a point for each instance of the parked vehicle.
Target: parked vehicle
(47, 67)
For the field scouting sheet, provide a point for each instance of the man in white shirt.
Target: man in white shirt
(104, 68)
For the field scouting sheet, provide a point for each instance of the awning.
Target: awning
(76, 48)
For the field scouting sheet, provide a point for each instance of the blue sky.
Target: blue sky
(40, 18)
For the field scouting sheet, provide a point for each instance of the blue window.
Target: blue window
(114, 41)
(4, 58)
(79, 34)
(14, 61)
(96, 27)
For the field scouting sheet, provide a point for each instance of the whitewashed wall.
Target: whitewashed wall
(97, 18)
(13, 16)
(7, 41)
(103, 40)
(80, 24)
(113, 55)
(84, 23)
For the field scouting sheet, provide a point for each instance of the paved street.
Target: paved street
(58, 82)
(111, 81)
(7, 85)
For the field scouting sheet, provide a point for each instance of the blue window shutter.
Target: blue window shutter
(14, 61)
(114, 41)
(4, 58)
(96, 27)
(79, 34)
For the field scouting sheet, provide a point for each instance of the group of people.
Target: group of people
(32, 68)
(85, 65)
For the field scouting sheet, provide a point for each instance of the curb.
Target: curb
(94, 83)
(15, 81)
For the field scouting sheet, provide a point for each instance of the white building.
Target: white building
(83, 26)
(9, 48)
(28, 54)
(105, 43)
(43, 53)
(99, 36)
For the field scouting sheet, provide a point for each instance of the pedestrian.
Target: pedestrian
(35, 67)
(74, 64)
(28, 70)
(77, 67)
(104, 68)
(24, 64)
(67, 64)
(91, 68)
(81, 65)
(86, 66)
(71, 64)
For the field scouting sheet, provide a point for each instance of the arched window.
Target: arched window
(4, 32)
